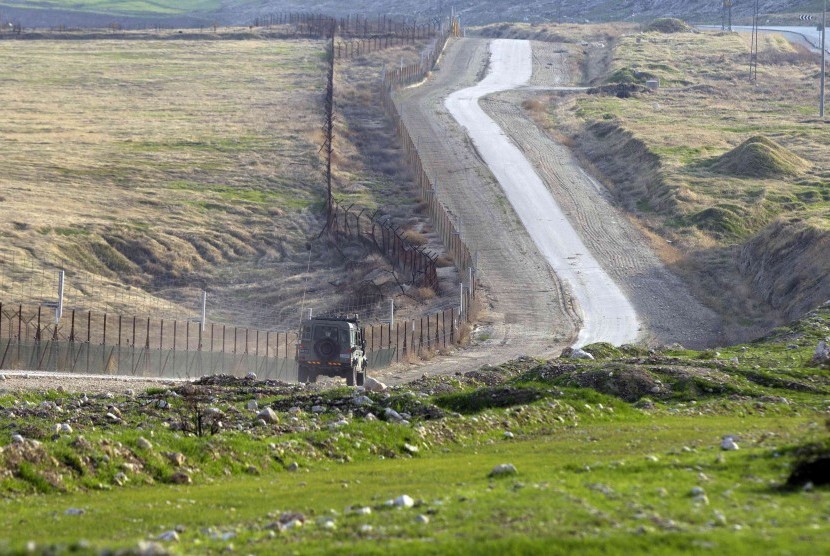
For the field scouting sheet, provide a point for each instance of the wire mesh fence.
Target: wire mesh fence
(100, 343)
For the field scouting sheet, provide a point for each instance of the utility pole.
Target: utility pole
(823, 58)
(753, 55)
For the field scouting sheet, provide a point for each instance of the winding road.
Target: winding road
(607, 314)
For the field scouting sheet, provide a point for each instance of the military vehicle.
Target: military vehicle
(331, 346)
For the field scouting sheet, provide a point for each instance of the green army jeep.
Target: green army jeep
(331, 346)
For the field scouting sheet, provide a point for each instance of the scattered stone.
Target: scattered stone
(252, 470)
(403, 501)
(361, 401)
(120, 478)
(508, 434)
(113, 418)
(293, 466)
(18, 439)
(421, 518)
(290, 520)
(581, 354)
(392, 415)
(162, 404)
(168, 536)
(250, 376)
(373, 385)
(327, 523)
(370, 417)
(268, 415)
(822, 354)
(181, 478)
(410, 448)
(144, 444)
(150, 548)
(366, 529)
(503, 470)
(318, 409)
(364, 510)
(176, 458)
(260, 423)
(74, 511)
(253, 405)
(728, 443)
(652, 458)
(65, 428)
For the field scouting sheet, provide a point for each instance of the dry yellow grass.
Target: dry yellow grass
(148, 161)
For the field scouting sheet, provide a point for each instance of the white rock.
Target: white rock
(364, 510)
(503, 470)
(295, 410)
(373, 385)
(728, 443)
(120, 478)
(318, 409)
(392, 415)
(652, 458)
(65, 428)
(366, 528)
(268, 415)
(508, 434)
(144, 444)
(581, 354)
(18, 439)
(410, 448)
(327, 523)
(403, 501)
(293, 466)
(421, 518)
(370, 417)
(253, 405)
(822, 353)
(250, 376)
(697, 491)
(168, 536)
(151, 548)
(360, 401)
(293, 524)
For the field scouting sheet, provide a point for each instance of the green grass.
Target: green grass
(601, 468)
(125, 7)
(587, 488)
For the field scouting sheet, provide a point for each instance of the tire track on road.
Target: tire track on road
(607, 313)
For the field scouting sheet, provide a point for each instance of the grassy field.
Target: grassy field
(120, 7)
(617, 455)
(147, 161)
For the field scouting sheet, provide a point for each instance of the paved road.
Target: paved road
(606, 313)
(807, 36)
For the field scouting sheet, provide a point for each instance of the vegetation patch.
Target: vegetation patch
(760, 157)
(669, 25)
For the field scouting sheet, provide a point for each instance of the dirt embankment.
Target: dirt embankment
(787, 265)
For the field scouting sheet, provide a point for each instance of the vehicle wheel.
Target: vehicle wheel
(327, 349)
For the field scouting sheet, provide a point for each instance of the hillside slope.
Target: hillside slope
(473, 12)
